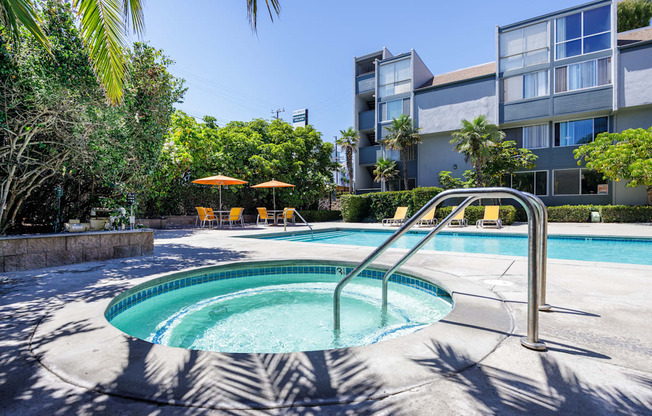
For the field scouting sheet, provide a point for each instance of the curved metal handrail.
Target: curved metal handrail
(285, 222)
(536, 250)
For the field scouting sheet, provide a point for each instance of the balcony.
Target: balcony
(366, 120)
(365, 83)
(369, 155)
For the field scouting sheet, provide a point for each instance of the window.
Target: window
(534, 84)
(523, 47)
(573, 133)
(533, 182)
(583, 75)
(394, 78)
(393, 109)
(584, 32)
(577, 182)
(535, 137)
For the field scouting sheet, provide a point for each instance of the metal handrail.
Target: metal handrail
(536, 250)
(285, 222)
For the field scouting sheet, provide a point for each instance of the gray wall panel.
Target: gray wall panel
(442, 109)
(635, 76)
(578, 102)
(435, 154)
(525, 110)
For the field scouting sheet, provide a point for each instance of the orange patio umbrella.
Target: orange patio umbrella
(219, 180)
(273, 184)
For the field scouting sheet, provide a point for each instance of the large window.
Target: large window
(577, 182)
(573, 133)
(584, 32)
(533, 182)
(523, 47)
(534, 84)
(393, 109)
(583, 75)
(535, 137)
(394, 78)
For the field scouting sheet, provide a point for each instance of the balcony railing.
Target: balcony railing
(365, 83)
(369, 155)
(366, 120)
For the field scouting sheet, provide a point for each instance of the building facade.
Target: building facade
(558, 81)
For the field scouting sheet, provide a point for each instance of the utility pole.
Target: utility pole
(275, 112)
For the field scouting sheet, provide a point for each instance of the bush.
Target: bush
(355, 208)
(507, 213)
(384, 204)
(625, 213)
(571, 213)
(421, 196)
(321, 215)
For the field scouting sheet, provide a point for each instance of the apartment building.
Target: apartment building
(558, 80)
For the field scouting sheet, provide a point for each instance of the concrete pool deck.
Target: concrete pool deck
(599, 358)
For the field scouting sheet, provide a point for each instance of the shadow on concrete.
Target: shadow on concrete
(561, 392)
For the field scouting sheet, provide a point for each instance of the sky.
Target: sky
(304, 59)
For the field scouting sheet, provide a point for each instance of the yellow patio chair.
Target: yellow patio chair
(459, 220)
(429, 219)
(205, 215)
(288, 216)
(399, 217)
(262, 215)
(491, 213)
(234, 216)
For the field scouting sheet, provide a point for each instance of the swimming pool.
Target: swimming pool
(606, 249)
(274, 307)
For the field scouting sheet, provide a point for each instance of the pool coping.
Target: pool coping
(104, 359)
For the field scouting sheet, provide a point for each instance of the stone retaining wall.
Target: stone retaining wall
(50, 250)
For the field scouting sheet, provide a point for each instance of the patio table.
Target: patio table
(275, 213)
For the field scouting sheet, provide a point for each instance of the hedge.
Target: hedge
(625, 213)
(571, 213)
(321, 215)
(355, 208)
(473, 213)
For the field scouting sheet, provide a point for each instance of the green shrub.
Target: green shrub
(507, 213)
(384, 204)
(571, 213)
(421, 196)
(625, 213)
(321, 215)
(355, 208)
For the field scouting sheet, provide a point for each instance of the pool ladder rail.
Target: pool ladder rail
(285, 222)
(537, 251)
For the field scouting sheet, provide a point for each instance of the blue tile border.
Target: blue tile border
(158, 287)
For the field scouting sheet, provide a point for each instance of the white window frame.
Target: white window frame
(580, 119)
(585, 88)
(534, 184)
(534, 125)
(500, 58)
(581, 13)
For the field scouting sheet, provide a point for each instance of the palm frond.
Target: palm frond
(103, 31)
(133, 15)
(14, 11)
(252, 11)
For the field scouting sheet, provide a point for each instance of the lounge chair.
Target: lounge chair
(399, 217)
(459, 220)
(263, 216)
(288, 216)
(205, 215)
(429, 219)
(234, 216)
(491, 213)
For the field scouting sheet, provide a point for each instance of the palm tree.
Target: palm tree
(104, 26)
(349, 143)
(402, 135)
(385, 170)
(475, 140)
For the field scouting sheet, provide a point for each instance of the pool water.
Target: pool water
(279, 313)
(612, 250)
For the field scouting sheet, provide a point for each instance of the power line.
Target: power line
(277, 111)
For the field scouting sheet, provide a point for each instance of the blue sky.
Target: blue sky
(305, 58)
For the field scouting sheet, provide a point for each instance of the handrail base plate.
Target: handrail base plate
(545, 308)
(536, 346)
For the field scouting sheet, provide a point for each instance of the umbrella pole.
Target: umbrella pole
(274, 195)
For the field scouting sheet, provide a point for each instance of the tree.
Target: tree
(504, 160)
(475, 140)
(634, 14)
(385, 171)
(104, 26)
(621, 156)
(402, 135)
(349, 143)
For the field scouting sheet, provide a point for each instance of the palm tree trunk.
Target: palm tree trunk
(349, 167)
(405, 172)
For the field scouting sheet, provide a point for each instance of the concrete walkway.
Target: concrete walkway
(598, 362)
